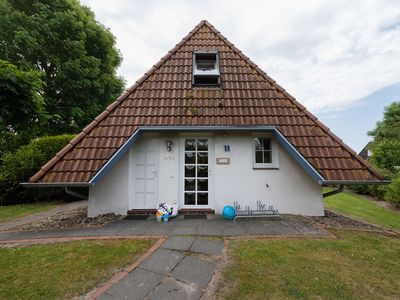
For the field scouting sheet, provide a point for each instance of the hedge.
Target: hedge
(20, 165)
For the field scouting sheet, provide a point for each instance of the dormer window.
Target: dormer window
(205, 69)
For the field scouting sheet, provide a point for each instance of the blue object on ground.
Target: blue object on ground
(229, 212)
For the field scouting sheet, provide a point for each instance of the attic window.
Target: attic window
(205, 69)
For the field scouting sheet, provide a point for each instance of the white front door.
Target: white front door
(196, 172)
(145, 170)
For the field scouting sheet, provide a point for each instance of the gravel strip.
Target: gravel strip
(334, 220)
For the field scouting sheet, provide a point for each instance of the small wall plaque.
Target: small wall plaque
(223, 160)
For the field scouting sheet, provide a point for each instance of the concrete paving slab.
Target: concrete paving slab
(178, 243)
(133, 231)
(161, 228)
(51, 233)
(171, 289)
(22, 235)
(82, 232)
(106, 297)
(193, 269)
(232, 229)
(307, 229)
(183, 230)
(268, 228)
(209, 229)
(209, 247)
(162, 261)
(6, 235)
(136, 285)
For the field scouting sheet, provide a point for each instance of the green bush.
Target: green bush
(360, 188)
(393, 192)
(19, 166)
(377, 191)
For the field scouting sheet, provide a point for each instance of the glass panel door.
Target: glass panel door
(196, 172)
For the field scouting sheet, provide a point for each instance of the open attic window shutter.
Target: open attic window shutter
(206, 69)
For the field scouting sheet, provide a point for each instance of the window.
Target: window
(206, 69)
(196, 172)
(264, 156)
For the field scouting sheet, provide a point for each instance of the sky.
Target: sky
(339, 58)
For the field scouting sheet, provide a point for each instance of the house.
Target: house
(205, 127)
(366, 152)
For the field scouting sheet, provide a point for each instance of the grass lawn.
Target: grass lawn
(361, 208)
(10, 212)
(63, 270)
(359, 265)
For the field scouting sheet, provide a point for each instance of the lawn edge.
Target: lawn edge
(19, 218)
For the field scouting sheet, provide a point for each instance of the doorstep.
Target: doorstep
(196, 211)
(141, 212)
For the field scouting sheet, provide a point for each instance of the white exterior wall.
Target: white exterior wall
(111, 194)
(290, 189)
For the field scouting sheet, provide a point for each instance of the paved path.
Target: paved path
(291, 226)
(42, 215)
(180, 269)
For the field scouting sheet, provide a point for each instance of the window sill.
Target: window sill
(265, 168)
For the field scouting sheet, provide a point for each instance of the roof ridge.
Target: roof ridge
(113, 105)
(294, 101)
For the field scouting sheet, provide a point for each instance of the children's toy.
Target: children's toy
(165, 210)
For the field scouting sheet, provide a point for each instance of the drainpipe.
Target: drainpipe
(75, 194)
(337, 191)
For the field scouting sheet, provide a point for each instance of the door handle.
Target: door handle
(155, 173)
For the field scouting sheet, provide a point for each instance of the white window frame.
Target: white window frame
(184, 136)
(274, 153)
(206, 73)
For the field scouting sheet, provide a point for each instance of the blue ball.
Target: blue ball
(229, 212)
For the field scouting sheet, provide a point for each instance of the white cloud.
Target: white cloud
(328, 54)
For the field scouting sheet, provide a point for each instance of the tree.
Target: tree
(76, 54)
(21, 110)
(18, 166)
(389, 127)
(386, 156)
(386, 152)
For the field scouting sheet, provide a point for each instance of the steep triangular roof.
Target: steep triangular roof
(164, 96)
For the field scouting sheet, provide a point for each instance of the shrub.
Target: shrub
(360, 188)
(393, 192)
(19, 166)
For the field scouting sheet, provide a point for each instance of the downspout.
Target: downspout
(331, 193)
(75, 194)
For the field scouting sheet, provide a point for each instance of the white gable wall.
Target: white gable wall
(111, 194)
(290, 189)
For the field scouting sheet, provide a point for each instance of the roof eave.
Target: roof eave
(55, 184)
(353, 182)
